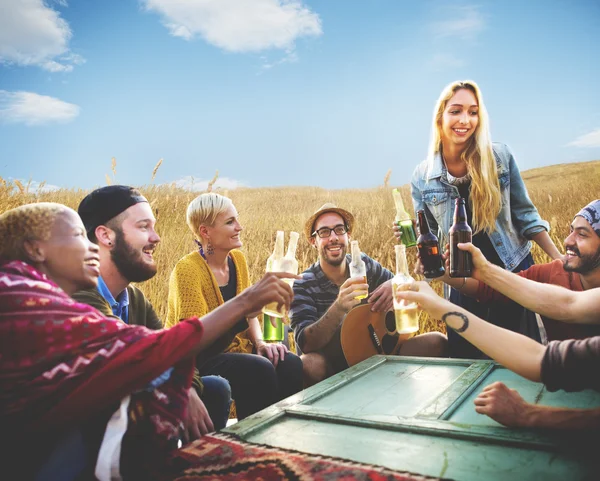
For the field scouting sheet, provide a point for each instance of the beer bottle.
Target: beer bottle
(406, 313)
(461, 264)
(274, 333)
(357, 265)
(403, 221)
(429, 249)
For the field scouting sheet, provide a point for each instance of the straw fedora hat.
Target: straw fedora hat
(324, 209)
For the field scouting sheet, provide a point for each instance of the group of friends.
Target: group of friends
(94, 383)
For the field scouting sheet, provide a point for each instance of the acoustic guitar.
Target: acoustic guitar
(365, 333)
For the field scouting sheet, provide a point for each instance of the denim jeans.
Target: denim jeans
(255, 382)
(216, 397)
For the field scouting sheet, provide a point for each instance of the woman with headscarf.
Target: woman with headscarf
(65, 368)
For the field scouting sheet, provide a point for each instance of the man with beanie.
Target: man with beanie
(120, 220)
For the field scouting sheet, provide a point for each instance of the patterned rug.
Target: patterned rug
(223, 457)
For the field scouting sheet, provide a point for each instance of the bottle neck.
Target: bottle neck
(460, 213)
(401, 262)
(401, 213)
(423, 224)
(292, 246)
(355, 252)
(278, 251)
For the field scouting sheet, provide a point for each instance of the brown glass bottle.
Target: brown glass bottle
(429, 249)
(461, 264)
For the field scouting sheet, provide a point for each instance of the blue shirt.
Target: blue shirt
(120, 308)
(120, 305)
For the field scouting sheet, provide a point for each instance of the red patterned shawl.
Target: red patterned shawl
(62, 363)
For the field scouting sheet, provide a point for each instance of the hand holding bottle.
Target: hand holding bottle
(270, 289)
(352, 291)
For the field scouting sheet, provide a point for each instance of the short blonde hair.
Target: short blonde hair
(485, 197)
(204, 210)
(26, 223)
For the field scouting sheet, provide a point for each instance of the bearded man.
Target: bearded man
(120, 220)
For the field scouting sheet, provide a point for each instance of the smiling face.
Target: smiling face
(332, 249)
(134, 243)
(460, 118)
(582, 248)
(67, 256)
(224, 234)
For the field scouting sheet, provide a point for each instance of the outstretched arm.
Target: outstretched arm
(514, 351)
(545, 299)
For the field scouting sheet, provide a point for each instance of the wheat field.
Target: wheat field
(558, 192)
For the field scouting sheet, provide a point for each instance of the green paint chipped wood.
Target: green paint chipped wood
(417, 414)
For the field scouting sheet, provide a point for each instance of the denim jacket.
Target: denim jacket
(517, 221)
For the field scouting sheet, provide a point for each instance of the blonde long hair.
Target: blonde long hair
(485, 197)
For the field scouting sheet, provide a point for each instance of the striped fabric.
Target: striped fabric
(315, 293)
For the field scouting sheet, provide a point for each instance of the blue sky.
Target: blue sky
(280, 93)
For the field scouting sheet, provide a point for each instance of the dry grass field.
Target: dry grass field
(558, 191)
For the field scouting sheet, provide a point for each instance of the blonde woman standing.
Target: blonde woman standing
(259, 373)
(463, 162)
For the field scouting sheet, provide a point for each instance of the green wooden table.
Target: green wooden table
(417, 414)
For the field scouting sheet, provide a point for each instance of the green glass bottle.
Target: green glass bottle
(404, 222)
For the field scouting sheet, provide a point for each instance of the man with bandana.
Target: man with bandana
(120, 220)
(579, 270)
(570, 363)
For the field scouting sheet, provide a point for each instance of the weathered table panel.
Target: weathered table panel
(417, 414)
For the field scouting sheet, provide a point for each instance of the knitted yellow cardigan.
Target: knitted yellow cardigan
(194, 291)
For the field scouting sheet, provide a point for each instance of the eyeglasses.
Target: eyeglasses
(323, 232)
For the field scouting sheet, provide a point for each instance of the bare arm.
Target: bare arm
(247, 304)
(546, 299)
(507, 407)
(317, 335)
(514, 351)
(543, 240)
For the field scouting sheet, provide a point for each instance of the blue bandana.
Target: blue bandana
(591, 213)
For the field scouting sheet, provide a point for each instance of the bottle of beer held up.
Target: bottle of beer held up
(429, 249)
(461, 264)
(357, 266)
(274, 333)
(406, 312)
(403, 221)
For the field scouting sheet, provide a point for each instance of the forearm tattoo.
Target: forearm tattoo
(464, 318)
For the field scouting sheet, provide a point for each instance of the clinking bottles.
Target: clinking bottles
(403, 221)
(429, 249)
(461, 264)
(277, 262)
(357, 265)
(406, 313)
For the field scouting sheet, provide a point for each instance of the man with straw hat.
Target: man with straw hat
(326, 293)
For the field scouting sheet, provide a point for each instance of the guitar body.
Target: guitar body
(365, 333)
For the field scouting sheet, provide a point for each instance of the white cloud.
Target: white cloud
(591, 139)
(195, 184)
(239, 25)
(465, 22)
(35, 187)
(33, 33)
(34, 109)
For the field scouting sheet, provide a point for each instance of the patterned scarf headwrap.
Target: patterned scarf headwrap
(591, 213)
(63, 364)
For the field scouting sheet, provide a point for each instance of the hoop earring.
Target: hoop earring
(209, 248)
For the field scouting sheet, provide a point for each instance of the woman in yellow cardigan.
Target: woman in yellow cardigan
(203, 280)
